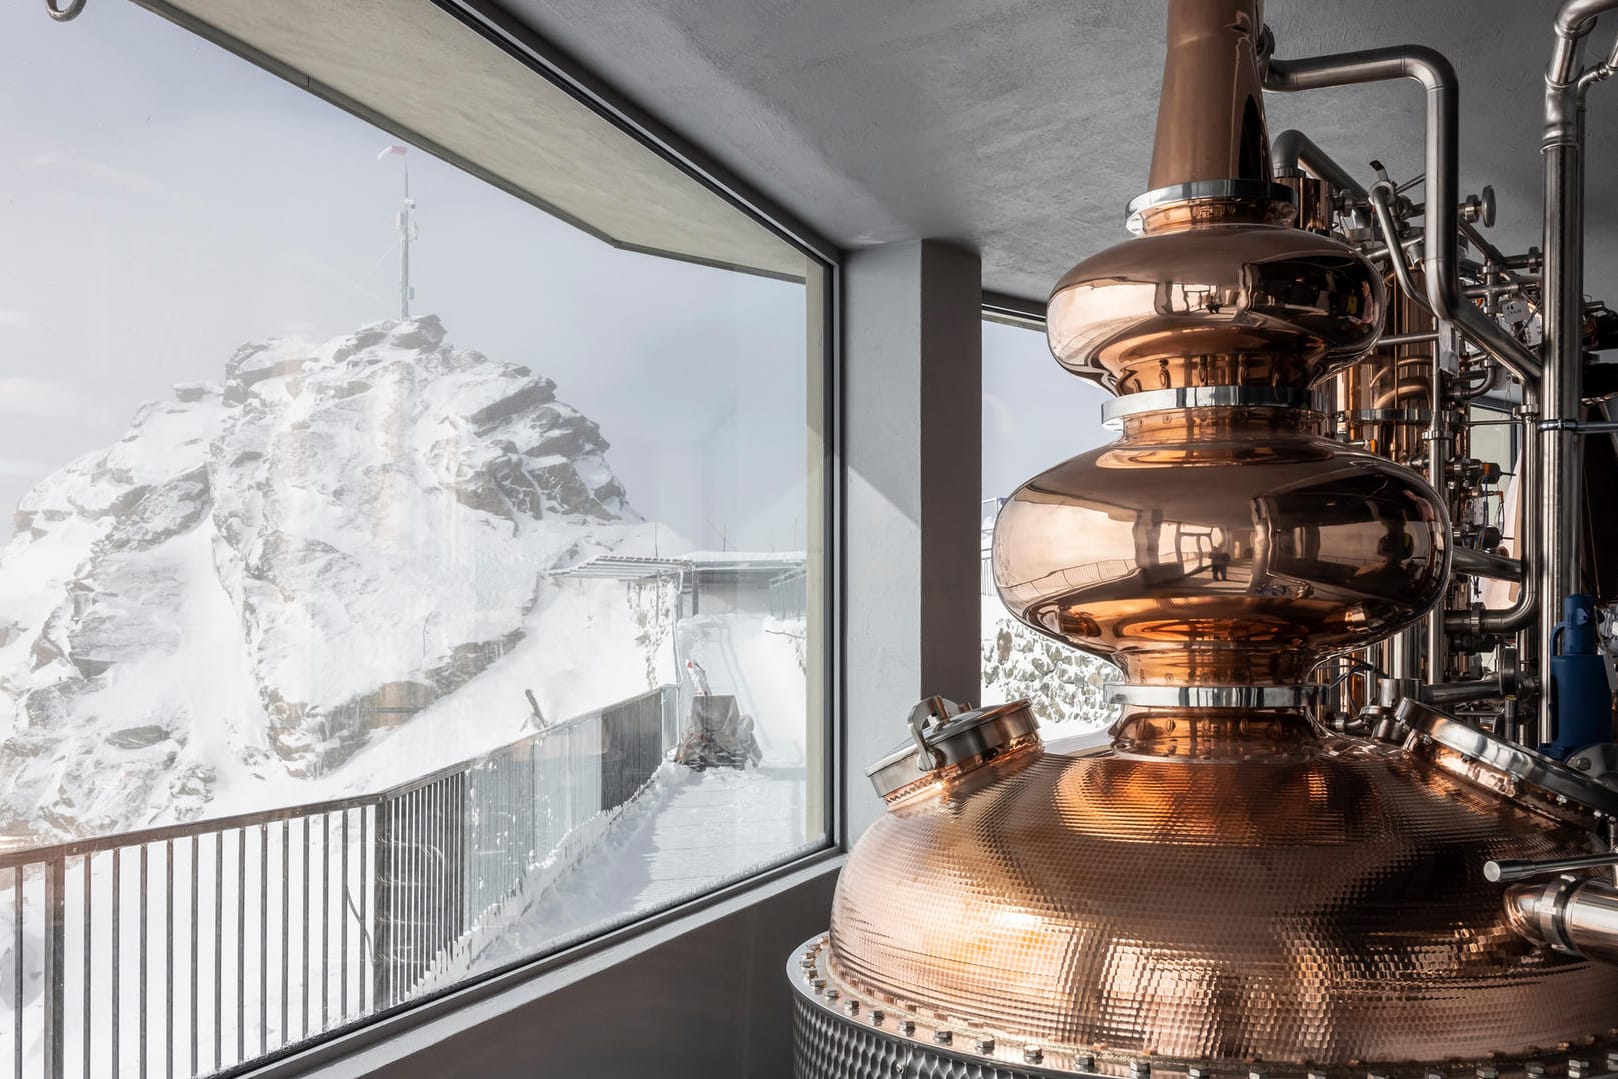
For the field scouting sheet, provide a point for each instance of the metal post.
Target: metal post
(404, 246)
(382, 931)
(55, 972)
(1563, 312)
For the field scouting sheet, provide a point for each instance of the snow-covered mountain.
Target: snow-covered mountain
(263, 571)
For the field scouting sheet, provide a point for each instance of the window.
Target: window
(418, 510)
(1035, 415)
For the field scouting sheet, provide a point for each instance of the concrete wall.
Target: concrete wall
(913, 368)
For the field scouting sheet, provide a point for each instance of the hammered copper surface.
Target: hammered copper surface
(1327, 906)
(1221, 546)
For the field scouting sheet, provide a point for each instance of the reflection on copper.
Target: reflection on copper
(1215, 305)
(1210, 119)
(1221, 546)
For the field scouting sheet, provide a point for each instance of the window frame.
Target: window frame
(510, 987)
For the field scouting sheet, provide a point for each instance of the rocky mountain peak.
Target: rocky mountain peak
(269, 567)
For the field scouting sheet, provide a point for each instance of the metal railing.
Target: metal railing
(192, 947)
(789, 594)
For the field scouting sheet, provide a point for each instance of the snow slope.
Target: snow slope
(264, 572)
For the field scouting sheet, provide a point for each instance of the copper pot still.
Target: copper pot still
(1224, 889)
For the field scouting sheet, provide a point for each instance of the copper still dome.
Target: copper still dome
(1215, 895)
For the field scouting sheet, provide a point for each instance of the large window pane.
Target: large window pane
(416, 562)
(1035, 416)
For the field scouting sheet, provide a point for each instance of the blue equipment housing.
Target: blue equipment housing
(1580, 695)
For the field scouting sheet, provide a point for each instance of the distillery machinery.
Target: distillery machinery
(1351, 553)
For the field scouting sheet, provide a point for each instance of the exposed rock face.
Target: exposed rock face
(1064, 686)
(269, 568)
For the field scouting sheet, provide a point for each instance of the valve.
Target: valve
(1479, 208)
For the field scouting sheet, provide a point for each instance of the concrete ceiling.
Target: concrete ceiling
(1019, 128)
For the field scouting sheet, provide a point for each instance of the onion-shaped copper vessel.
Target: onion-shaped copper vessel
(1225, 887)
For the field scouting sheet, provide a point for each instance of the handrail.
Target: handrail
(370, 897)
(158, 833)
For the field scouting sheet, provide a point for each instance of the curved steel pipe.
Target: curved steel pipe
(1381, 196)
(1440, 228)
(1437, 77)
(1293, 149)
(1475, 563)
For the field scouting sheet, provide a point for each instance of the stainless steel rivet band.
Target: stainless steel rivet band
(1133, 404)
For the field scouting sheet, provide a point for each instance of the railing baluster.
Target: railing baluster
(325, 917)
(141, 967)
(55, 976)
(241, 943)
(342, 923)
(168, 958)
(418, 890)
(89, 907)
(263, 939)
(305, 956)
(117, 955)
(359, 989)
(381, 867)
(435, 862)
(286, 923)
(196, 848)
(16, 952)
(218, 949)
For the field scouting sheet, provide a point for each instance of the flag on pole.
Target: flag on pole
(394, 149)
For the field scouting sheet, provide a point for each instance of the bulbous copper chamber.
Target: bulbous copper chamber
(1227, 546)
(1208, 303)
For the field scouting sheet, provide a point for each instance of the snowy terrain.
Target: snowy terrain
(336, 539)
(1064, 685)
(688, 831)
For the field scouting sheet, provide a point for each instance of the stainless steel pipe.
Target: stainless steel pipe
(1562, 146)
(1444, 293)
(1293, 149)
(1568, 915)
(1475, 563)
(1437, 78)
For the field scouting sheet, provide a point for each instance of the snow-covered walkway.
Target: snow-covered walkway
(689, 832)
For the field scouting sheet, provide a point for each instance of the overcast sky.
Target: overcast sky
(162, 202)
(1035, 414)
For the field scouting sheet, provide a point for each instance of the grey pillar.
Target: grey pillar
(913, 375)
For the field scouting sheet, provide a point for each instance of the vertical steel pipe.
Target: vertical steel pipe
(1562, 147)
